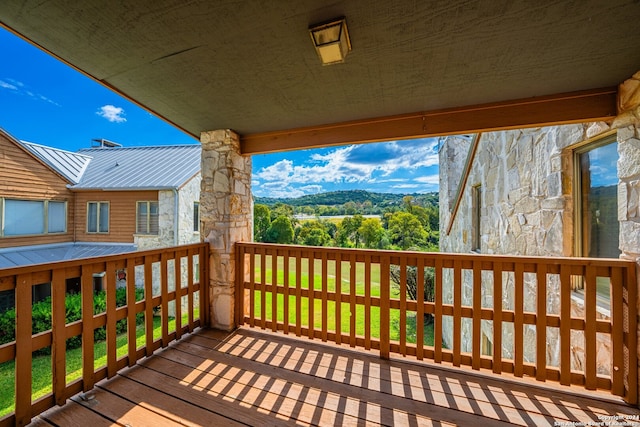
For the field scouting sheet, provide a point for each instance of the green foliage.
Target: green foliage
(406, 230)
(313, 233)
(372, 233)
(280, 231)
(41, 316)
(261, 221)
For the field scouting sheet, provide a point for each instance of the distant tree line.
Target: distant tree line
(411, 224)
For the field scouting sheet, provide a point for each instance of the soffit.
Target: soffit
(250, 65)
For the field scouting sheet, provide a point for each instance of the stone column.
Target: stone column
(628, 124)
(226, 217)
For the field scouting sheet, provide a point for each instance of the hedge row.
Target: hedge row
(41, 316)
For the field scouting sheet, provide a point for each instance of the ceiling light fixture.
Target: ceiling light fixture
(331, 40)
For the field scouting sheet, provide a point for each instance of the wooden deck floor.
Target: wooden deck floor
(257, 378)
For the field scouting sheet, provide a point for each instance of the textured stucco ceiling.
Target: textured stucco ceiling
(250, 66)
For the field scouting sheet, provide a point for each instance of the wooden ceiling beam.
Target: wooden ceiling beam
(573, 107)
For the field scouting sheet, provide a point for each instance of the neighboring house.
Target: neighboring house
(57, 205)
(571, 190)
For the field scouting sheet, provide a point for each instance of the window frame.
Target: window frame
(98, 222)
(578, 223)
(196, 217)
(148, 204)
(476, 217)
(577, 283)
(45, 217)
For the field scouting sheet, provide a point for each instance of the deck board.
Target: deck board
(255, 377)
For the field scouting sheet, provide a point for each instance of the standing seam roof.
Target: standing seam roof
(140, 167)
(70, 165)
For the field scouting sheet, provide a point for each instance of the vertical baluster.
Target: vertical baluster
(177, 265)
(385, 296)
(190, 289)
(298, 257)
(285, 289)
(263, 290)
(111, 319)
(617, 332)
(325, 296)
(518, 323)
(457, 311)
(274, 290)
(87, 328)
(367, 302)
(203, 260)
(477, 314)
(590, 328)
(164, 303)
(420, 308)
(565, 325)
(497, 317)
(131, 312)
(541, 322)
(437, 318)
(403, 305)
(338, 288)
(252, 286)
(148, 305)
(352, 299)
(58, 323)
(631, 287)
(311, 288)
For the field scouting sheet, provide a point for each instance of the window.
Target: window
(57, 217)
(196, 216)
(476, 198)
(597, 226)
(32, 217)
(147, 218)
(98, 217)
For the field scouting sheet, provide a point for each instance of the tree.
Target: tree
(371, 232)
(312, 233)
(280, 231)
(261, 222)
(406, 230)
(347, 235)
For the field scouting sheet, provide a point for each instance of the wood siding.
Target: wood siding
(24, 177)
(122, 214)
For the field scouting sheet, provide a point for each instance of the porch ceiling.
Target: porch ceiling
(250, 66)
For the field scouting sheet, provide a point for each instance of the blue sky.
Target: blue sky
(46, 102)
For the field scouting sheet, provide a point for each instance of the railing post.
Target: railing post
(23, 349)
(385, 296)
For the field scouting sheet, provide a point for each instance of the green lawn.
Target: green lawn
(41, 365)
(360, 318)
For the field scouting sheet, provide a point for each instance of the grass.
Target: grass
(362, 323)
(41, 383)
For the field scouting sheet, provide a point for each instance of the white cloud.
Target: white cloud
(6, 85)
(355, 163)
(429, 179)
(19, 88)
(112, 113)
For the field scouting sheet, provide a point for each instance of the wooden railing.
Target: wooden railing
(171, 280)
(502, 313)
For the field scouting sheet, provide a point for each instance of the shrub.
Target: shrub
(41, 316)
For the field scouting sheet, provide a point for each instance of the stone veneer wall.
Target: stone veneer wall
(226, 217)
(527, 209)
(189, 193)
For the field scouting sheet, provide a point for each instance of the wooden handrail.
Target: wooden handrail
(171, 285)
(474, 290)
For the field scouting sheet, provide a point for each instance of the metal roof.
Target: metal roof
(40, 254)
(70, 165)
(130, 168)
